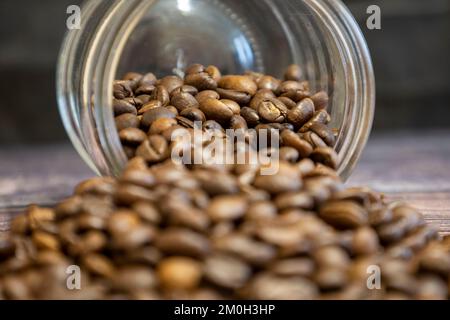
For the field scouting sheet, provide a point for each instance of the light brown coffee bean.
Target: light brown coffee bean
(303, 267)
(161, 94)
(268, 82)
(365, 241)
(133, 278)
(320, 116)
(293, 73)
(289, 103)
(160, 125)
(331, 279)
(140, 236)
(226, 271)
(122, 106)
(251, 116)
(126, 120)
(241, 98)
(272, 110)
(155, 149)
(132, 136)
(261, 210)
(97, 185)
(183, 101)
(182, 242)
(207, 94)
(154, 114)
(320, 100)
(143, 178)
(294, 200)
(287, 179)
(193, 114)
(227, 207)
(171, 83)
(218, 110)
(326, 156)
(238, 83)
(179, 273)
(122, 221)
(344, 214)
(98, 265)
(151, 104)
(201, 81)
(293, 140)
(301, 113)
(147, 79)
(324, 133)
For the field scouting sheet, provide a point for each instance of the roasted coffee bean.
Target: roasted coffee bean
(287, 179)
(193, 114)
(289, 103)
(293, 90)
(261, 210)
(324, 133)
(132, 136)
(152, 104)
(261, 95)
(207, 94)
(171, 83)
(213, 72)
(161, 94)
(155, 149)
(293, 73)
(227, 207)
(320, 116)
(303, 267)
(185, 122)
(294, 200)
(97, 185)
(183, 242)
(325, 155)
(134, 277)
(201, 81)
(344, 214)
(226, 271)
(154, 114)
(183, 101)
(237, 122)
(185, 89)
(320, 100)
(313, 139)
(122, 89)
(238, 83)
(134, 77)
(251, 116)
(268, 82)
(365, 241)
(289, 154)
(146, 89)
(160, 125)
(272, 110)
(126, 120)
(179, 273)
(301, 113)
(242, 98)
(140, 236)
(143, 98)
(291, 139)
(98, 265)
(123, 106)
(195, 68)
(147, 79)
(219, 110)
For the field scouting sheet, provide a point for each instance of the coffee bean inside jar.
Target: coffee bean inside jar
(224, 230)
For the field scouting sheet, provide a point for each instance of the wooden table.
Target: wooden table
(406, 166)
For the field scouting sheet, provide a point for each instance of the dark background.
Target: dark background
(411, 56)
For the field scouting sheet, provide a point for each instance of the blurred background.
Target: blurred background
(411, 56)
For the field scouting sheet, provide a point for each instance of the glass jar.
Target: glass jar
(160, 36)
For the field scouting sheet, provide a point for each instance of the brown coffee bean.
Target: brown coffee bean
(143, 98)
(45, 241)
(179, 273)
(185, 89)
(287, 288)
(294, 200)
(291, 139)
(193, 114)
(237, 96)
(195, 68)
(155, 149)
(171, 83)
(294, 90)
(98, 265)
(268, 82)
(134, 77)
(251, 116)
(261, 210)
(201, 81)
(147, 79)
(226, 271)
(183, 101)
(123, 221)
(327, 156)
(141, 235)
(126, 120)
(289, 103)
(405, 219)
(303, 267)
(154, 114)
(146, 89)
(320, 100)
(331, 279)
(227, 207)
(365, 241)
(183, 242)
(207, 94)
(293, 72)
(97, 185)
(287, 179)
(133, 278)
(301, 113)
(223, 183)
(289, 154)
(129, 194)
(320, 116)
(218, 110)
(122, 89)
(313, 139)
(272, 110)
(139, 177)
(152, 104)
(160, 125)
(122, 106)
(344, 214)
(132, 136)
(324, 133)
(238, 83)
(213, 72)
(263, 94)
(237, 122)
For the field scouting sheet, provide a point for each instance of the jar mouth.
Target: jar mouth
(89, 63)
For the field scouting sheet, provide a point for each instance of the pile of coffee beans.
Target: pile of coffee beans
(148, 110)
(164, 230)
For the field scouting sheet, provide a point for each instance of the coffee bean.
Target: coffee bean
(183, 101)
(171, 83)
(155, 149)
(123, 221)
(161, 94)
(261, 95)
(147, 79)
(320, 100)
(183, 242)
(272, 110)
(344, 214)
(122, 89)
(313, 139)
(195, 68)
(227, 207)
(261, 210)
(294, 200)
(240, 97)
(154, 114)
(293, 73)
(134, 277)
(287, 179)
(324, 133)
(325, 155)
(238, 83)
(291, 139)
(97, 185)
(99, 265)
(132, 136)
(179, 273)
(207, 94)
(289, 103)
(129, 194)
(135, 77)
(365, 241)
(160, 125)
(126, 120)
(251, 116)
(122, 106)
(201, 81)
(146, 89)
(143, 98)
(268, 82)
(238, 122)
(293, 90)
(301, 113)
(320, 116)
(213, 72)
(185, 89)
(219, 110)
(222, 184)
(303, 267)
(226, 271)
(193, 114)
(152, 104)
